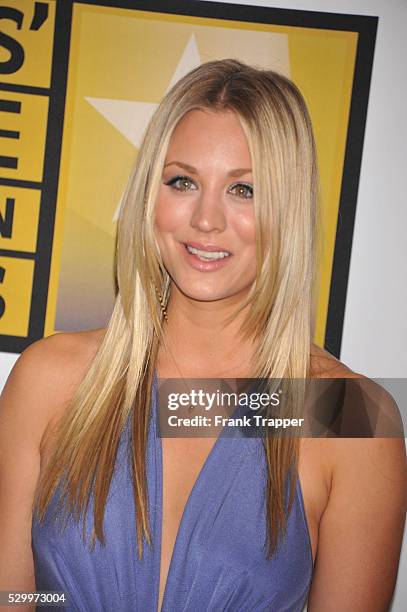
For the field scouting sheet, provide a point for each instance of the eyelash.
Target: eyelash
(172, 181)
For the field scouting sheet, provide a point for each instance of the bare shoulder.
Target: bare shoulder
(365, 398)
(325, 365)
(68, 346)
(72, 350)
(368, 411)
(55, 362)
(45, 376)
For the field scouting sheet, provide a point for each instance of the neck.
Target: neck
(199, 341)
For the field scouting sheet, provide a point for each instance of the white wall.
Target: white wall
(375, 328)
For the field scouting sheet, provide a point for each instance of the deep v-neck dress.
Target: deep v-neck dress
(218, 562)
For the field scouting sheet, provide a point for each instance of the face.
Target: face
(204, 216)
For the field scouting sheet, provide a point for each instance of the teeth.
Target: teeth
(205, 255)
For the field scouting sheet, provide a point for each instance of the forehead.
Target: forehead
(212, 132)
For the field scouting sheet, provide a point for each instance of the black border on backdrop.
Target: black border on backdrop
(49, 185)
(365, 26)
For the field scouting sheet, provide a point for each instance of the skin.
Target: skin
(353, 489)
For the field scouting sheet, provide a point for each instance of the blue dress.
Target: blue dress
(218, 562)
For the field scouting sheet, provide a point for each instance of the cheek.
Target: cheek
(245, 227)
(168, 215)
(163, 217)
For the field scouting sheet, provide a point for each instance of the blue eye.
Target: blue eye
(244, 190)
(184, 183)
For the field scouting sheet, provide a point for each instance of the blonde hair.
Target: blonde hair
(275, 120)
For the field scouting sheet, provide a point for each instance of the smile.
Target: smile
(207, 255)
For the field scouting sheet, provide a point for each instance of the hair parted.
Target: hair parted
(278, 129)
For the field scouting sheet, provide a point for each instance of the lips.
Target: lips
(209, 248)
(205, 258)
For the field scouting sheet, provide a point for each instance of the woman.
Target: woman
(215, 264)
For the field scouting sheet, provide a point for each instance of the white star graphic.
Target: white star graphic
(131, 117)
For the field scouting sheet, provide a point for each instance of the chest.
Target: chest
(183, 460)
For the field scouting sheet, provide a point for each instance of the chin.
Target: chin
(203, 295)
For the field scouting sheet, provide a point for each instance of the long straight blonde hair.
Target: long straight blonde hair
(276, 122)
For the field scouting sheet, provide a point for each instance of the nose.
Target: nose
(208, 214)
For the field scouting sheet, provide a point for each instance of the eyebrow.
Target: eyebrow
(192, 170)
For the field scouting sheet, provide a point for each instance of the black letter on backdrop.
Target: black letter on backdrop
(6, 224)
(2, 302)
(13, 47)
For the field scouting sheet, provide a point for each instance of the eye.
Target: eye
(180, 183)
(243, 190)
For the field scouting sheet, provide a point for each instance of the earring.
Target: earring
(162, 304)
